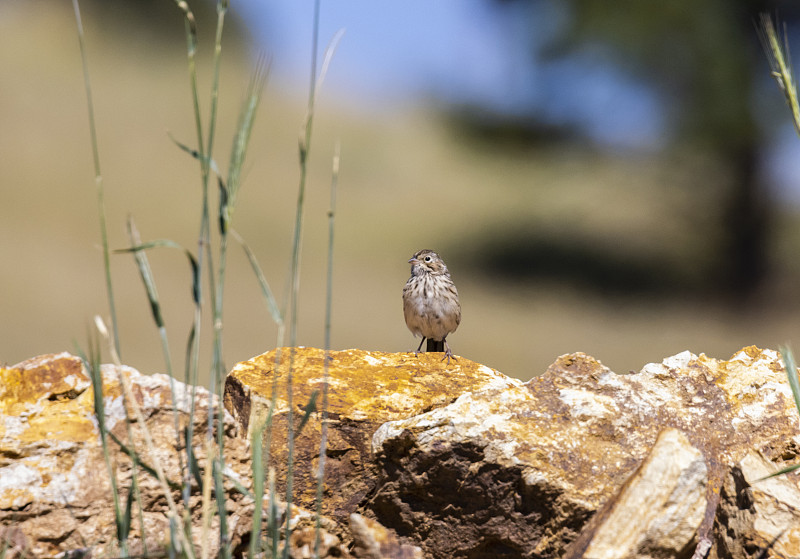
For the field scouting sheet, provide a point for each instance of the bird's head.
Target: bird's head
(427, 262)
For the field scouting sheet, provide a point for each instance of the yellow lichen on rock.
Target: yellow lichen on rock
(366, 389)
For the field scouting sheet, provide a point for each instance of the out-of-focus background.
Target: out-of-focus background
(619, 180)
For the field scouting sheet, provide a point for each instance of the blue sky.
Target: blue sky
(457, 51)
(392, 51)
(469, 51)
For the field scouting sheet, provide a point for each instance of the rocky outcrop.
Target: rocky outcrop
(55, 488)
(367, 389)
(757, 513)
(540, 469)
(657, 511)
(371, 540)
(424, 458)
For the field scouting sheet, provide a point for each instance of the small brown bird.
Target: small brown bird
(430, 302)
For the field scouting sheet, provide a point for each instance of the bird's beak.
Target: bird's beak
(413, 261)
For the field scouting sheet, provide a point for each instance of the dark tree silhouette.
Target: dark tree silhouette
(705, 60)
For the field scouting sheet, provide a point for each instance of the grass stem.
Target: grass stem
(779, 58)
(326, 367)
(141, 422)
(98, 179)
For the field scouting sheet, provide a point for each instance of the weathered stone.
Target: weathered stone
(373, 541)
(54, 483)
(519, 470)
(366, 390)
(13, 543)
(758, 517)
(657, 512)
(303, 540)
(457, 458)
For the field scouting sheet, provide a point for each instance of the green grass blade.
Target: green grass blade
(190, 359)
(166, 243)
(5, 544)
(190, 29)
(247, 116)
(158, 243)
(130, 402)
(326, 367)
(222, 8)
(219, 492)
(146, 273)
(224, 212)
(124, 528)
(133, 455)
(303, 148)
(203, 157)
(190, 374)
(329, 282)
(239, 487)
(266, 292)
(780, 472)
(330, 50)
(257, 466)
(790, 367)
(308, 409)
(791, 374)
(92, 365)
(140, 516)
(196, 279)
(227, 202)
(192, 348)
(191, 459)
(205, 235)
(273, 527)
(777, 51)
(98, 177)
(174, 539)
(196, 154)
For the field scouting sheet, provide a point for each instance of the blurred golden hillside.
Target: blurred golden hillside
(408, 181)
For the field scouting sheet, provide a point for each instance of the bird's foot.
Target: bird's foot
(448, 352)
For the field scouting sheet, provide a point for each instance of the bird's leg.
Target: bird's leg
(448, 353)
(436, 346)
(416, 353)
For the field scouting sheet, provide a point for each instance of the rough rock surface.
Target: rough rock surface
(518, 470)
(54, 484)
(443, 460)
(758, 517)
(55, 493)
(366, 390)
(371, 540)
(658, 510)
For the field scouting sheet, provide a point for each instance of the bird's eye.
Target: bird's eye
(428, 259)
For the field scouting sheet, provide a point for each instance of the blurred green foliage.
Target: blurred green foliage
(704, 61)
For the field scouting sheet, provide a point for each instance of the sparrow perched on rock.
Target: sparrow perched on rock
(430, 302)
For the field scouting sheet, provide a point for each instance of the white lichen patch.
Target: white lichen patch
(36, 362)
(472, 416)
(585, 405)
(669, 365)
(498, 380)
(372, 361)
(16, 479)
